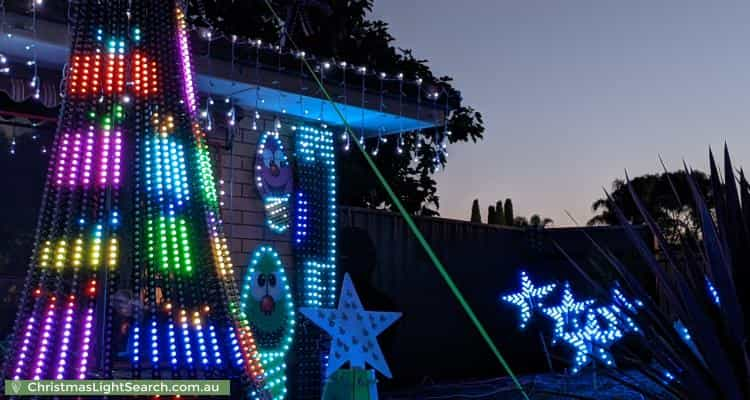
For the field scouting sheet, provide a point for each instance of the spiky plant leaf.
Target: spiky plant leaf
(713, 362)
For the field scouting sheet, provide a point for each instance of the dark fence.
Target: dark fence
(391, 271)
(435, 339)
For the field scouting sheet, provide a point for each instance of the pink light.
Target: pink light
(116, 161)
(81, 155)
(187, 66)
(88, 156)
(104, 158)
(76, 160)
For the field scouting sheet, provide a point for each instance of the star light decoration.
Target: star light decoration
(592, 338)
(566, 313)
(594, 341)
(528, 298)
(353, 331)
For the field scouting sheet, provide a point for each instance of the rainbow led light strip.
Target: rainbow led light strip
(120, 105)
(209, 195)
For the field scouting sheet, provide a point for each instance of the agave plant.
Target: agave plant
(694, 343)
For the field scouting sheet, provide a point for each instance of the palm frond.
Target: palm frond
(694, 327)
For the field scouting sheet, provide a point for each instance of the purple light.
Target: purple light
(187, 66)
(24, 348)
(77, 158)
(85, 344)
(104, 158)
(88, 156)
(65, 341)
(44, 345)
(117, 156)
(62, 155)
(74, 164)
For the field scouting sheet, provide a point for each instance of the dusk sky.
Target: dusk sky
(573, 92)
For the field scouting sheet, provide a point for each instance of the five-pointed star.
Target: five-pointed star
(592, 341)
(353, 331)
(567, 312)
(528, 298)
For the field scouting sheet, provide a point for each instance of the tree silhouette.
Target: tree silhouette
(667, 198)
(476, 214)
(537, 221)
(499, 213)
(491, 215)
(509, 218)
(340, 30)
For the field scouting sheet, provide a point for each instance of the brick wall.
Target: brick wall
(243, 211)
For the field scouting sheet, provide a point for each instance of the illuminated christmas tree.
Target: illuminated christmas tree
(130, 202)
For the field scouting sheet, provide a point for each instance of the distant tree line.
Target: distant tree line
(666, 197)
(502, 214)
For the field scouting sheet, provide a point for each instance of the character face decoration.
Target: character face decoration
(265, 290)
(273, 177)
(273, 172)
(267, 304)
(267, 300)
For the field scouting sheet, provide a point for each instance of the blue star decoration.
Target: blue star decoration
(353, 331)
(594, 340)
(528, 298)
(590, 338)
(566, 313)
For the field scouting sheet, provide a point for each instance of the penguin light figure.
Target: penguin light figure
(267, 304)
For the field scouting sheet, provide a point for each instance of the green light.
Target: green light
(409, 221)
(168, 251)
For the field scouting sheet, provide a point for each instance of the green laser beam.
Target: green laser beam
(409, 221)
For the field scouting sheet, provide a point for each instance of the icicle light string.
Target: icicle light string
(231, 131)
(208, 32)
(363, 73)
(400, 144)
(258, 43)
(4, 68)
(347, 146)
(35, 84)
(412, 225)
